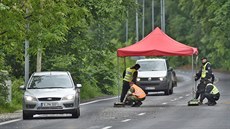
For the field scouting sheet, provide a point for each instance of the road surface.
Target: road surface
(157, 112)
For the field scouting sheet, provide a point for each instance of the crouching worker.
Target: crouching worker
(135, 95)
(211, 93)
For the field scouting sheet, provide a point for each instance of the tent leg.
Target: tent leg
(118, 79)
(125, 62)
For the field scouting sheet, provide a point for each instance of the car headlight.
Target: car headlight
(68, 97)
(138, 79)
(30, 98)
(162, 78)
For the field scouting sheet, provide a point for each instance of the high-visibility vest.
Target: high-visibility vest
(204, 71)
(129, 74)
(138, 91)
(214, 89)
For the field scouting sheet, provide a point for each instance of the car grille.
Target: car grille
(58, 107)
(148, 79)
(49, 99)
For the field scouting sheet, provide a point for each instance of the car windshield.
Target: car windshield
(152, 66)
(47, 82)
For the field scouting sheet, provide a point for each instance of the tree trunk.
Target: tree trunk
(39, 60)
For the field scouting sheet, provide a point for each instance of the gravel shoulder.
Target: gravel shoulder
(10, 116)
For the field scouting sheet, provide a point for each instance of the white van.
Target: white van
(155, 75)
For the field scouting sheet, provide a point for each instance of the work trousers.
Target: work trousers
(124, 91)
(200, 91)
(134, 98)
(211, 97)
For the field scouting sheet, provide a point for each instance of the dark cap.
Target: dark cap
(137, 66)
(204, 58)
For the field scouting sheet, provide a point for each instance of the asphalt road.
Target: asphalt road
(157, 112)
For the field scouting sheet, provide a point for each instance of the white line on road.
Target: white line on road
(7, 122)
(97, 101)
(107, 127)
(141, 114)
(187, 94)
(181, 97)
(126, 120)
(164, 103)
(174, 99)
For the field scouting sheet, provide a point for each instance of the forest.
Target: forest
(82, 36)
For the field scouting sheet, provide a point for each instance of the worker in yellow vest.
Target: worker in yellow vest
(205, 72)
(135, 95)
(129, 75)
(211, 93)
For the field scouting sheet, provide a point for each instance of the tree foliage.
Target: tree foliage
(82, 36)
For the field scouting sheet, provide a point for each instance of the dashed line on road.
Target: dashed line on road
(107, 127)
(126, 120)
(174, 99)
(187, 94)
(164, 103)
(141, 114)
(181, 97)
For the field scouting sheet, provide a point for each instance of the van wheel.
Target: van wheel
(166, 92)
(171, 91)
(146, 92)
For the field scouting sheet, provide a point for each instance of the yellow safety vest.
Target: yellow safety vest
(129, 74)
(138, 91)
(214, 89)
(204, 71)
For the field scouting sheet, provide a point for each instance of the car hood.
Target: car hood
(152, 74)
(42, 93)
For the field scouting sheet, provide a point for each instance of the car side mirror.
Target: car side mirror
(78, 86)
(22, 87)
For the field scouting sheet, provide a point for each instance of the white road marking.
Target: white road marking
(126, 120)
(164, 103)
(141, 114)
(187, 94)
(107, 127)
(11, 121)
(174, 99)
(181, 97)
(97, 101)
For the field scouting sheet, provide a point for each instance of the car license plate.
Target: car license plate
(150, 88)
(49, 104)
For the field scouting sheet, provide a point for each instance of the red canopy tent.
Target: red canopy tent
(157, 43)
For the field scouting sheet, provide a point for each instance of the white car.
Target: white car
(155, 75)
(51, 93)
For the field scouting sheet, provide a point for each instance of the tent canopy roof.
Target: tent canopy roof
(157, 43)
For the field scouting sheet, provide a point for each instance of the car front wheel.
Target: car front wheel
(27, 116)
(76, 113)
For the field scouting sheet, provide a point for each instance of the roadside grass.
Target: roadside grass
(9, 108)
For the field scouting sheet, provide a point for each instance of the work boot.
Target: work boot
(208, 103)
(137, 104)
(129, 103)
(200, 102)
(212, 104)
